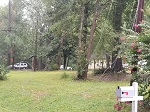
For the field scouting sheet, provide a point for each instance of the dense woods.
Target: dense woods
(50, 33)
(111, 38)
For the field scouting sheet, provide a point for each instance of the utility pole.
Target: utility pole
(11, 52)
(136, 28)
(34, 58)
(9, 27)
(139, 16)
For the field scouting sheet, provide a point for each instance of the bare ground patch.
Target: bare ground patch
(111, 77)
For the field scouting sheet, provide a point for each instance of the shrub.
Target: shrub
(54, 67)
(101, 71)
(137, 51)
(144, 90)
(3, 72)
(64, 76)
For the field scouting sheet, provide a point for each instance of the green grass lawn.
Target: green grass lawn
(27, 91)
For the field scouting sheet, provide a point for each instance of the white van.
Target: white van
(21, 65)
(62, 67)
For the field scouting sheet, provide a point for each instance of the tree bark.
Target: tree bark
(34, 63)
(8, 58)
(65, 60)
(119, 7)
(79, 76)
(40, 63)
(94, 64)
(60, 50)
(81, 28)
(89, 49)
(107, 61)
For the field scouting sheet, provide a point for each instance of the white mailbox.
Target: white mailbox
(129, 93)
(125, 92)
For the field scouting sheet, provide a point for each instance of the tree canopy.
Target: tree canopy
(68, 32)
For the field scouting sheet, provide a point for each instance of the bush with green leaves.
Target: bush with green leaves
(136, 47)
(3, 72)
(144, 84)
(64, 75)
(144, 39)
(102, 71)
(54, 67)
(144, 79)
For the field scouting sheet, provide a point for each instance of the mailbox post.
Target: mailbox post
(129, 93)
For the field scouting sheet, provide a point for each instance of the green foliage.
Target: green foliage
(145, 91)
(101, 71)
(144, 38)
(103, 41)
(82, 63)
(98, 71)
(3, 72)
(39, 26)
(118, 7)
(64, 75)
(144, 83)
(138, 49)
(129, 13)
(54, 67)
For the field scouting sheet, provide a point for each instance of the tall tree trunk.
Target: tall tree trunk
(65, 60)
(117, 23)
(40, 63)
(94, 64)
(82, 61)
(89, 49)
(84, 40)
(102, 64)
(107, 61)
(80, 52)
(12, 57)
(8, 58)
(34, 63)
(47, 64)
(60, 50)
(58, 59)
(81, 28)
(34, 60)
